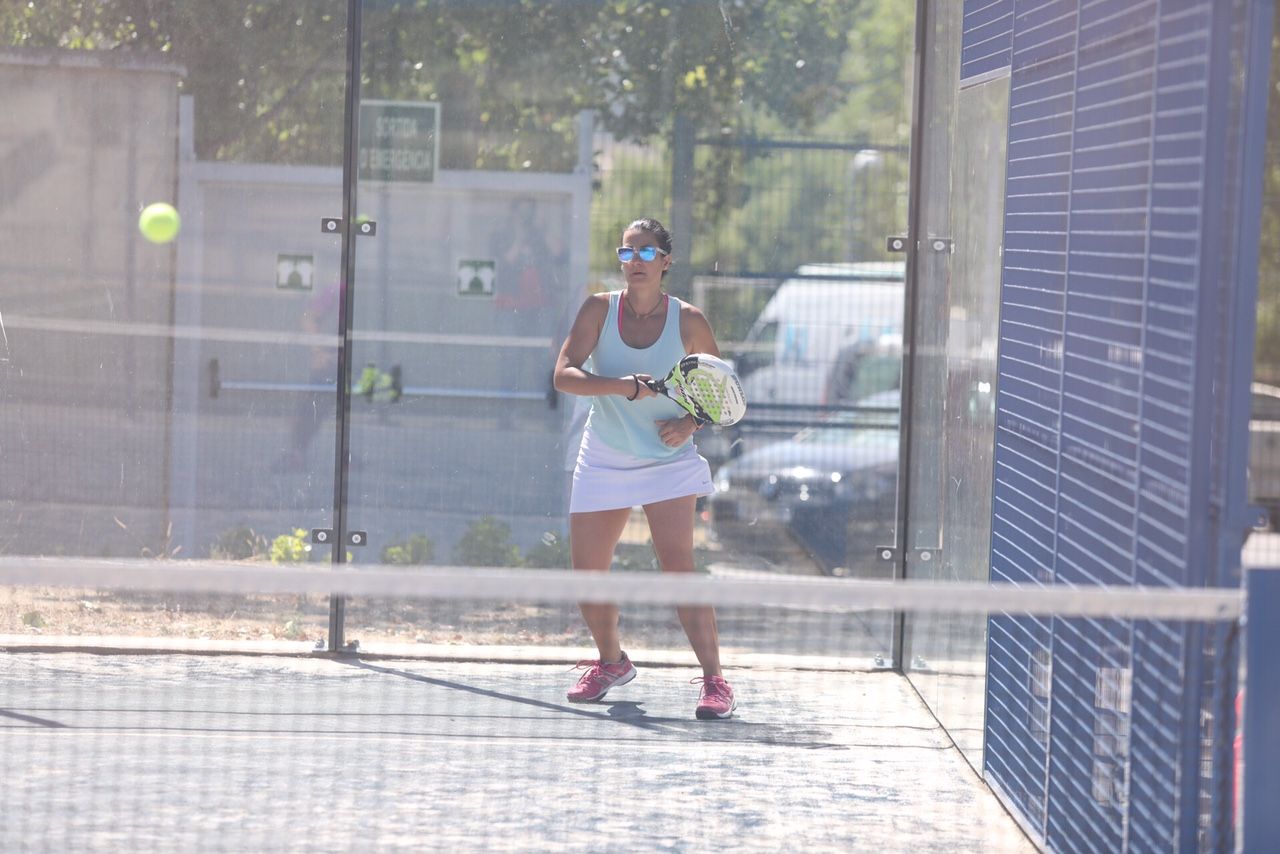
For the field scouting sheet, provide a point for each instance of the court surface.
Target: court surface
(239, 752)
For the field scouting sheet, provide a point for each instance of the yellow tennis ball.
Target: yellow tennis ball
(159, 222)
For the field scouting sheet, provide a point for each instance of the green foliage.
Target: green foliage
(511, 77)
(264, 77)
(32, 619)
(290, 548)
(762, 209)
(551, 551)
(875, 74)
(1267, 348)
(239, 543)
(637, 183)
(487, 542)
(765, 209)
(419, 549)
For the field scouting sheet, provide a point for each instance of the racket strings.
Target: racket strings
(707, 388)
(705, 394)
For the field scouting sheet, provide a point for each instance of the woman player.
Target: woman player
(636, 450)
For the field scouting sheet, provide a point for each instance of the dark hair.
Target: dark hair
(657, 229)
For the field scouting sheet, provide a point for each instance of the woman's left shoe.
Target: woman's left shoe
(717, 701)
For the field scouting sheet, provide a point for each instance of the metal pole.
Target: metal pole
(680, 278)
(1211, 371)
(915, 215)
(350, 155)
(1250, 155)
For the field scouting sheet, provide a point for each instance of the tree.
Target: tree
(1267, 348)
(512, 75)
(269, 77)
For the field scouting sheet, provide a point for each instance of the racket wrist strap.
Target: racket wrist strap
(635, 393)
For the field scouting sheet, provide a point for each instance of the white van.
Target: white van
(792, 346)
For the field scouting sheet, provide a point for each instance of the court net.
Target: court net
(199, 706)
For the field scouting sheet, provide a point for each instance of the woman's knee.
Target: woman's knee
(594, 536)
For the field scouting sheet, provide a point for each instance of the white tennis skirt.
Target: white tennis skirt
(609, 479)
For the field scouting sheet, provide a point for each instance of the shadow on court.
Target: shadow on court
(187, 752)
(632, 713)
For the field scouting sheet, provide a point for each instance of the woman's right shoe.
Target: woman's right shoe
(600, 677)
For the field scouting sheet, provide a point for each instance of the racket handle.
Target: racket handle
(656, 385)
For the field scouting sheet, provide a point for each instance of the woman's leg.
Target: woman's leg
(671, 526)
(592, 539)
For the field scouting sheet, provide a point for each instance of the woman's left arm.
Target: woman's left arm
(695, 332)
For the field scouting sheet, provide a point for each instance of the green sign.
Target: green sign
(399, 141)
(294, 272)
(475, 277)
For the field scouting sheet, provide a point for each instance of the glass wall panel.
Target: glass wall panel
(504, 148)
(175, 395)
(167, 375)
(953, 399)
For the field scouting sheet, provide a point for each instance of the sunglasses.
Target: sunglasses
(646, 253)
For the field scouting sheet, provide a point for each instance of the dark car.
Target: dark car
(824, 496)
(1264, 450)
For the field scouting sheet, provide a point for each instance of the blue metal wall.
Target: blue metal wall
(987, 38)
(1116, 297)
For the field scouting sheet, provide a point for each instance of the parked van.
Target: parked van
(789, 353)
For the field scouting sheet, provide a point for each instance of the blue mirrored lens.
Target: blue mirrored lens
(646, 253)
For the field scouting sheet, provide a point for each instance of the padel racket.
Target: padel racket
(706, 387)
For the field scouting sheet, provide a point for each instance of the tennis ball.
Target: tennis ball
(159, 222)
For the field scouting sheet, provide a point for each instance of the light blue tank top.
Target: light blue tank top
(628, 425)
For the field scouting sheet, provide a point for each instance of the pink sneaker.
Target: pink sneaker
(717, 700)
(599, 678)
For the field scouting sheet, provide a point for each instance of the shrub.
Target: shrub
(240, 543)
(290, 548)
(417, 550)
(487, 542)
(550, 552)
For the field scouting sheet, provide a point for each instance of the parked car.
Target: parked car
(789, 351)
(1264, 450)
(863, 369)
(825, 495)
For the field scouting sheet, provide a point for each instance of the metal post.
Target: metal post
(350, 154)
(1215, 366)
(916, 198)
(1250, 154)
(680, 278)
(133, 205)
(1261, 741)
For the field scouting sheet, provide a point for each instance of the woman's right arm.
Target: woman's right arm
(571, 378)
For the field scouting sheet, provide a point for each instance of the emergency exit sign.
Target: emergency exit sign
(399, 141)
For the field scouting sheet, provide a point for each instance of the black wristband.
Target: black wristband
(635, 393)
